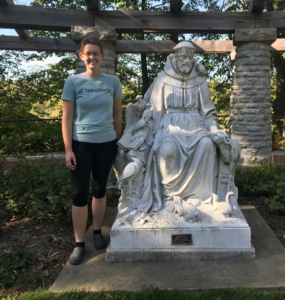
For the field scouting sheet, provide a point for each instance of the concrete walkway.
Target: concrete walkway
(266, 271)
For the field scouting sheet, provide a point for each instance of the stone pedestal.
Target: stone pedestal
(168, 237)
(108, 37)
(250, 107)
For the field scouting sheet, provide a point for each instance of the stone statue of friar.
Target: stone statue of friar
(173, 146)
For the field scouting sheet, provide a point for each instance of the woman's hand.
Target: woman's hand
(70, 160)
(117, 115)
(67, 122)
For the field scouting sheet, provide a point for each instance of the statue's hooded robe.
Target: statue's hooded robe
(183, 114)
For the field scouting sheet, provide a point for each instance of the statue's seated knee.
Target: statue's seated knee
(206, 143)
(167, 150)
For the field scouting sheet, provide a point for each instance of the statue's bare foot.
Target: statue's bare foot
(170, 207)
(194, 202)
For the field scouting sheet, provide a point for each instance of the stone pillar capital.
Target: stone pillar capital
(102, 33)
(255, 35)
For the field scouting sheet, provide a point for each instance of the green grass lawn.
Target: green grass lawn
(229, 294)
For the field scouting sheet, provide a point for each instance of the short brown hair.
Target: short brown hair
(91, 41)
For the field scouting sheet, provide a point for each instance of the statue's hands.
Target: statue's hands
(217, 136)
(220, 138)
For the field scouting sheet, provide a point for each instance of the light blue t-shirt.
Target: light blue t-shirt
(93, 98)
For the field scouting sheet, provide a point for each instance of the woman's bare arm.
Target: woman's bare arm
(67, 124)
(117, 116)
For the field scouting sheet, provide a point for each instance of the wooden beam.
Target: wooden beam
(6, 2)
(124, 21)
(93, 5)
(174, 37)
(144, 46)
(37, 44)
(39, 18)
(149, 47)
(256, 6)
(271, 19)
(166, 22)
(25, 17)
(175, 6)
(278, 46)
(20, 32)
(123, 46)
(218, 47)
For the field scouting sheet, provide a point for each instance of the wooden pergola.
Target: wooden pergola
(24, 18)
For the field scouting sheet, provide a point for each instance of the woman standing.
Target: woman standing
(91, 126)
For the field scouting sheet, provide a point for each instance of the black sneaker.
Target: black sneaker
(77, 255)
(99, 241)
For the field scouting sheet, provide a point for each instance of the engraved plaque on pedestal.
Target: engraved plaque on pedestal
(181, 239)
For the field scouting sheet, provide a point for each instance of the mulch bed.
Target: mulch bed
(51, 242)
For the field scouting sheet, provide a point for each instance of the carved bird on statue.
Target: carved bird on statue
(130, 171)
(186, 210)
(224, 208)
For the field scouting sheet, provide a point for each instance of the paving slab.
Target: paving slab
(94, 274)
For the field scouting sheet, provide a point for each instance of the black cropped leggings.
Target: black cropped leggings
(95, 158)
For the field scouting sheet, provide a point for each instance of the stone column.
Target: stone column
(108, 37)
(250, 105)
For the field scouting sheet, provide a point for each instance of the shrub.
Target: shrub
(37, 190)
(276, 188)
(10, 262)
(250, 180)
(30, 137)
(264, 179)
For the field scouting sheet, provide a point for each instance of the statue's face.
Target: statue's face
(184, 58)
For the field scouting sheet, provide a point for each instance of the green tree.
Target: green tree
(15, 102)
(22, 96)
